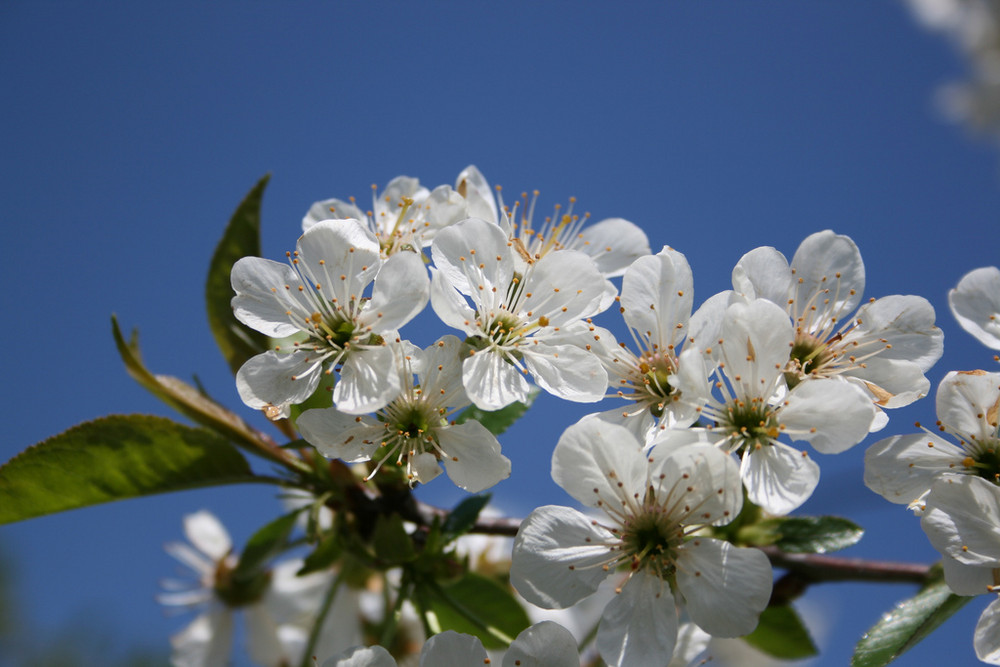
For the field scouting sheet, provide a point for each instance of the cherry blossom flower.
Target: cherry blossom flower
(279, 607)
(656, 300)
(321, 293)
(413, 429)
(656, 508)
(755, 407)
(902, 468)
(884, 347)
(975, 303)
(544, 644)
(962, 520)
(404, 216)
(614, 243)
(520, 323)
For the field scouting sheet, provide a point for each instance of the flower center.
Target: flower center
(334, 329)
(984, 459)
(752, 424)
(808, 357)
(656, 369)
(649, 541)
(238, 591)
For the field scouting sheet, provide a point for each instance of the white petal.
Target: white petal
(756, 341)
(207, 533)
(400, 293)
(595, 461)
(902, 468)
(278, 379)
(472, 456)
(267, 296)
(442, 208)
(459, 250)
(962, 519)
(831, 414)
(442, 373)
(263, 647)
(491, 382)
(907, 323)
(975, 302)
(657, 295)
(566, 371)
(692, 641)
(544, 644)
(968, 401)
(472, 185)
(707, 479)
(705, 326)
(564, 286)
(206, 642)
(342, 256)
(890, 383)
(828, 265)
(639, 625)
(368, 381)
(725, 587)
(449, 304)
(987, 637)
(779, 478)
(338, 435)
(965, 579)
(362, 656)
(331, 209)
(424, 467)
(763, 273)
(452, 648)
(614, 243)
(558, 556)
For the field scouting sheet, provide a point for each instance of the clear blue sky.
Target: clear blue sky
(130, 131)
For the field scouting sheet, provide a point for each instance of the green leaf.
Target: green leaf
(806, 534)
(113, 458)
(326, 553)
(241, 239)
(906, 625)
(189, 401)
(264, 545)
(498, 421)
(392, 543)
(781, 634)
(479, 606)
(461, 519)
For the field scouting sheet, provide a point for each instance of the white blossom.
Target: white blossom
(414, 430)
(902, 468)
(279, 607)
(975, 303)
(656, 507)
(519, 323)
(320, 296)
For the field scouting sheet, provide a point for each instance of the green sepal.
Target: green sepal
(393, 545)
(781, 634)
(187, 400)
(265, 544)
(240, 239)
(113, 458)
(478, 606)
(805, 534)
(461, 519)
(906, 624)
(498, 421)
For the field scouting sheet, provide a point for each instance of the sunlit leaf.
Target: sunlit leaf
(781, 634)
(479, 606)
(114, 458)
(806, 534)
(241, 239)
(907, 624)
(461, 519)
(498, 421)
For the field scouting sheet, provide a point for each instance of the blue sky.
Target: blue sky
(131, 131)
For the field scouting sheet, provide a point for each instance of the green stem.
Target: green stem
(324, 609)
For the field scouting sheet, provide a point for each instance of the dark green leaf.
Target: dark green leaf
(326, 553)
(807, 534)
(498, 421)
(115, 458)
(184, 398)
(461, 519)
(781, 634)
(479, 606)
(393, 544)
(241, 239)
(264, 545)
(906, 625)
